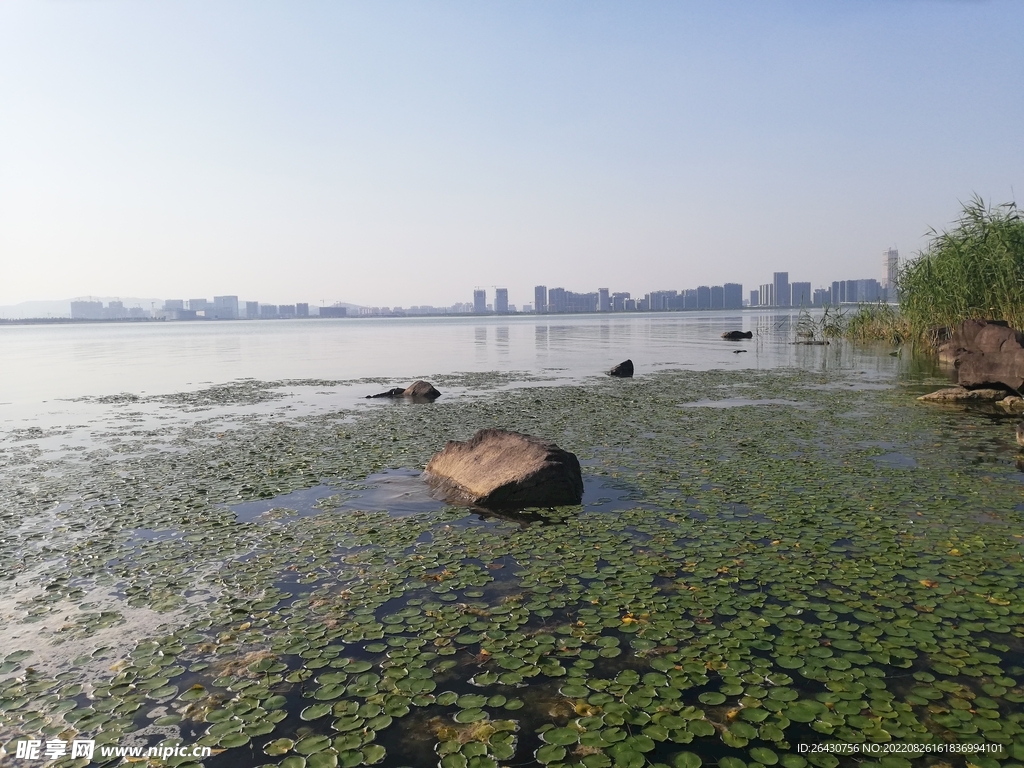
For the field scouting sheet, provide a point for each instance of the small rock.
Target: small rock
(812, 343)
(418, 390)
(1013, 404)
(423, 390)
(623, 370)
(737, 351)
(500, 469)
(964, 395)
(1020, 433)
(737, 335)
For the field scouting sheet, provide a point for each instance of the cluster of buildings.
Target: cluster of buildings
(780, 292)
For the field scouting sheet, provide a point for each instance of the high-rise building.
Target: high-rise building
(703, 297)
(224, 308)
(755, 298)
(717, 297)
(800, 294)
(268, 311)
(781, 293)
(302, 310)
(501, 301)
(198, 305)
(252, 310)
(690, 298)
(604, 301)
(171, 304)
(540, 299)
(837, 294)
(821, 297)
(619, 301)
(733, 296)
(86, 310)
(480, 302)
(767, 294)
(285, 311)
(557, 300)
(891, 265)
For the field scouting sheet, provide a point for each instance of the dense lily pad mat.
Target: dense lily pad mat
(781, 579)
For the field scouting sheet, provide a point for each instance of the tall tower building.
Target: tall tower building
(782, 295)
(891, 265)
(501, 301)
(604, 301)
(480, 302)
(540, 299)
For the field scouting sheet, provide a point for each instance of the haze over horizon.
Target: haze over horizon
(398, 153)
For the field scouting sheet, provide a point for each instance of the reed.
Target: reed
(973, 271)
(879, 322)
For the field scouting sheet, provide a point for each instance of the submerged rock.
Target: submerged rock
(418, 390)
(501, 469)
(964, 395)
(623, 370)
(737, 335)
(812, 342)
(1013, 404)
(986, 353)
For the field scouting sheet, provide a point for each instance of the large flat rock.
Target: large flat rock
(501, 469)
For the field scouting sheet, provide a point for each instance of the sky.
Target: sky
(403, 153)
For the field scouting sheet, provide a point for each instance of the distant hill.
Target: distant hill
(62, 308)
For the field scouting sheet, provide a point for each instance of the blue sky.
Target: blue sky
(403, 153)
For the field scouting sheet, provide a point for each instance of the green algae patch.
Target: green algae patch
(765, 582)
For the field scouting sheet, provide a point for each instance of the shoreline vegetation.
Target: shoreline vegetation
(974, 271)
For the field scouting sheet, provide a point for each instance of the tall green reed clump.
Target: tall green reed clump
(879, 322)
(973, 271)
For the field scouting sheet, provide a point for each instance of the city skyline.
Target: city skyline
(780, 292)
(385, 149)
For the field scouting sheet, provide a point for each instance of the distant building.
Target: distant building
(540, 299)
(333, 311)
(556, 300)
(781, 295)
(172, 304)
(717, 297)
(268, 311)
(755, 298)
(286, 311)
(733, 296)
(821, 297)
(703, 297)
(224, 308)
(302, 310)
(604, 300)
(86, 310)
(198, 305)
(252, 310)
(115, 311)
(527, 308)
(690, 298)
(891, 266)
(659, 301)
(619, 301)
(801, 294)
(501, 301)
(480, 302)
(629, 305)
(767, 294)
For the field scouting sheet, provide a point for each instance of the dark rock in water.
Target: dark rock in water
(623, 370)
(418, 390)
(737, 335)
(501, 469)
(737, 351)
(396, 392)
(812, 343)
(986, 353)
(422, 390)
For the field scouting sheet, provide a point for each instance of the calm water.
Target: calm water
(47, 363)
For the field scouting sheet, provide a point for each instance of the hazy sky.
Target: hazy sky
(397, 153)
